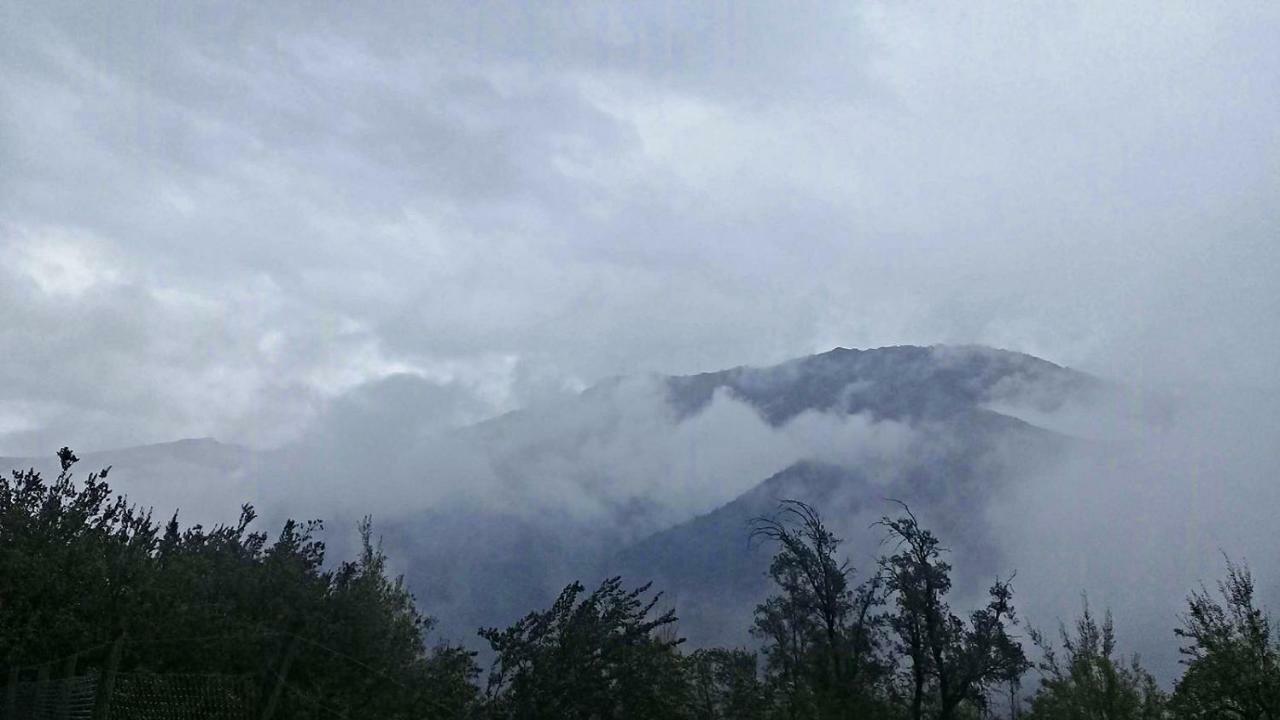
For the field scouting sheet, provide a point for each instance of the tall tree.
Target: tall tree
(1232, 659)
(822, 636)
(598, 657)
(951, 661)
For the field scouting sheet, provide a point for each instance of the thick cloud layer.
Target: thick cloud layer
(216, 221)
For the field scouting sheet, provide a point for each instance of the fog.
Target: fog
(1150, 513)
(616, 455)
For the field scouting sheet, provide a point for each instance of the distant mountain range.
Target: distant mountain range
(656, 478)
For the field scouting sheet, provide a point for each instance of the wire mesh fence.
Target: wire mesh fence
(144, 696)
(70, 698)
(133, 696)
(106, 682)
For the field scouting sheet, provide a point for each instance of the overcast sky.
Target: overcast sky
(214, 221)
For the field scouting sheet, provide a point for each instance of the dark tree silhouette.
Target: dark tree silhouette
(82, 568)
(822, 636)
(951, 662)
(1232, 660)
(595, 657)
(1089, 680)
(725, 685)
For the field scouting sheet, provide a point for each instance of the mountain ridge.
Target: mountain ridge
(477, 564)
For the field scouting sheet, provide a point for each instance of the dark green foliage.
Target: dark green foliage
(724, 685)
(951, 663)
(1088, 680)
(80, 568)
(73, 562)
(822, 637)
(1233, 662)
(606, 655)
(82, 571)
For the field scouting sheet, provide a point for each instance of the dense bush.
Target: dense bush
(81, 568)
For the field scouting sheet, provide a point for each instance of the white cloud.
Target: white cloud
(59, 261)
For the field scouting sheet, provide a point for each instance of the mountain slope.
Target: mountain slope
(956, 453)
(952, 469)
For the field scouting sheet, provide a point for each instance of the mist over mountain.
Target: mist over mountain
(1076, 483)
(681, 477)
(1021, 465)
(905, 382)
(652, 477)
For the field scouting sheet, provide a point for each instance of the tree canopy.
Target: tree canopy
(87, 575)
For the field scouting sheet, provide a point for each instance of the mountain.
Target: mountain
(201, 476)
(842, 430)
(903, 383)
(206, 454)
(960, 454)
(715, 574)
(653, 478)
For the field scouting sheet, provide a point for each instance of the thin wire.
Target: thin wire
(418, 691)
(361, 663)
(37, 666)
(307, 696)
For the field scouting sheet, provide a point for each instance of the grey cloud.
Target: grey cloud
(504, 192)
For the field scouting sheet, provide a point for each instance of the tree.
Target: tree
(724, 685)
(821, 635)
(1233, 663)
(73, 560)
(1088, 681)
(374, 618)
(81, 567)
(596, 657)
(951, 662)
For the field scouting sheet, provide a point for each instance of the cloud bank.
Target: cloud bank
(217, 221)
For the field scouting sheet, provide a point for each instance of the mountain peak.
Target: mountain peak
(901, 381)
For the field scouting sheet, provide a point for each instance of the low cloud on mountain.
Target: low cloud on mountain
(1150, 511)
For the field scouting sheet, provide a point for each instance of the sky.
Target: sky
(220, 220)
